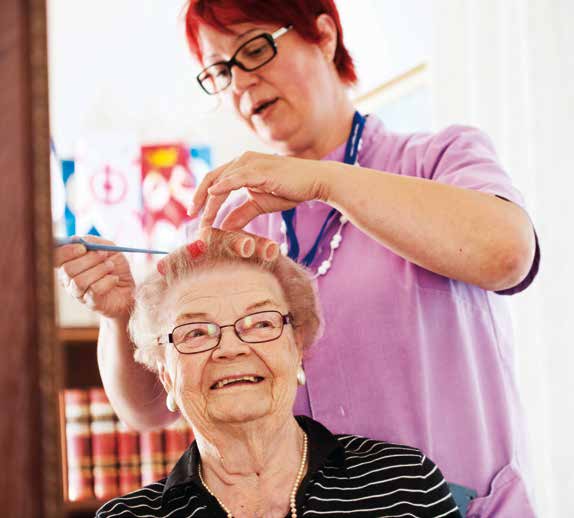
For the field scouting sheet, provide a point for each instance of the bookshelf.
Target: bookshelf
(79, 370)
(116, 459)
(78, 335)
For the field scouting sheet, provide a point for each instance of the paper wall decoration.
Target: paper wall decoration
(107, 191)
(167, 190)
(131, 194)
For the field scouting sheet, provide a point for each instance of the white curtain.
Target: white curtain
(507, 66)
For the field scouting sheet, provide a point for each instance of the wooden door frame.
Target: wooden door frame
(30, 361)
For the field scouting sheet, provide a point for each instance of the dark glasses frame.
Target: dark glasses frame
(285, 320)
(233, 61)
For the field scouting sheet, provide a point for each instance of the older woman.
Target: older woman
(412, 238)
(226, 335)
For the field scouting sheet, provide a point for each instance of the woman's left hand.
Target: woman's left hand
(273, 183)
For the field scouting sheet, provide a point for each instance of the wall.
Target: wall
(125, 66)
(518, 88)
(386, 37)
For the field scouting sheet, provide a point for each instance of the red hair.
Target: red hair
(301, 14)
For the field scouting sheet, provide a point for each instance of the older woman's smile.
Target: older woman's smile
(234, 381)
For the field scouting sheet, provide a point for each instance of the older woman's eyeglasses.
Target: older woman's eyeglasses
(255, 328)
(253, 54)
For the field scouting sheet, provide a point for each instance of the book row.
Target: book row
(104, 458)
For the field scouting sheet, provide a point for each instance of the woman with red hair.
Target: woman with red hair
(412, 239)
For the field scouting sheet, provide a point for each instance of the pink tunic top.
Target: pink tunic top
(410, 356)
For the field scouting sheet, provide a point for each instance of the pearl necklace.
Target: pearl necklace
(336, 241)
(292, 495)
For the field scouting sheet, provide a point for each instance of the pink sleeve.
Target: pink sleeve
(464, 157)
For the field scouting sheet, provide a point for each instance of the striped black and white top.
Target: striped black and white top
(348, 476)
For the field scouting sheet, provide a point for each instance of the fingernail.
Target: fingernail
(196, 248)
(109, 264)
(116, 279)
(79, 250)
(191, 211)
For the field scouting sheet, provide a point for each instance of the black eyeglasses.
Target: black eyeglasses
(255, 328)
(253, 54)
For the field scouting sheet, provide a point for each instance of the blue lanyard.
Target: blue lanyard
(351, 152)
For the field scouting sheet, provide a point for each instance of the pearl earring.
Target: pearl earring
(170, 402)
(301, 378)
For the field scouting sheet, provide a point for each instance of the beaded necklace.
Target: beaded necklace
(290, 244)
(292, 495)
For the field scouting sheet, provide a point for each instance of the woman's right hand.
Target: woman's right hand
(100, 280)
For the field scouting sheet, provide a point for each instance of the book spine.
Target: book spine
(176, 442)
(78, 444)
(152, 456)
(104, 447)
(128, 459)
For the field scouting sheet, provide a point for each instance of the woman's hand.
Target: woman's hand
(273, 184)
(100, 280)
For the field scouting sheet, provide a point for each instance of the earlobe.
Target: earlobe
(164, 377)
(298, 339)
(167, 385)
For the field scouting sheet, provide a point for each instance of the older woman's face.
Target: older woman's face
(296, 85)
(222, 296)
